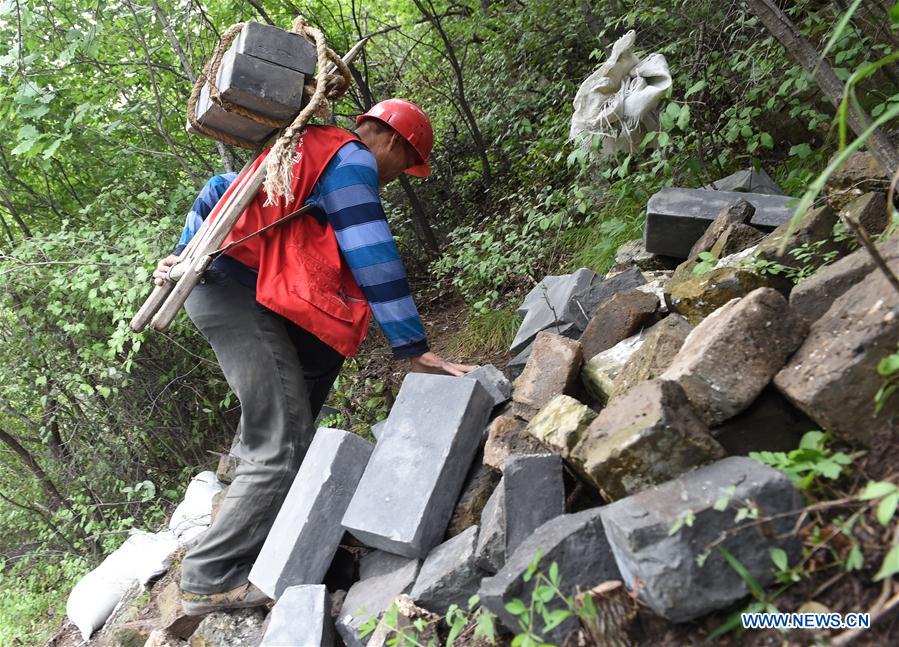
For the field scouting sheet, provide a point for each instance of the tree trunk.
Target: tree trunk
(470, 119)
(805, 54)
(419, 217)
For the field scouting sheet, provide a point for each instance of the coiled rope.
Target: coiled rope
(332, 82)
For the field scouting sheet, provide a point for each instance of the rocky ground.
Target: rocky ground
(619, 453)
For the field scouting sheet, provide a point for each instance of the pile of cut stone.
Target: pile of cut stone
(620, 453)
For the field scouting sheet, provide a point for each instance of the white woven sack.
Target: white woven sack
(618, 101)
(143, 556)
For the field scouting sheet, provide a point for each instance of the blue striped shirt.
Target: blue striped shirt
(347, 195)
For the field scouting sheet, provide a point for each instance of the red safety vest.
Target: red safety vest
(302, 274)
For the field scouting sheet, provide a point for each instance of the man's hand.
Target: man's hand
(162, 269)
(433, 363)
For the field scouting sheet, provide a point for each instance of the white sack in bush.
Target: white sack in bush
(143, 556)
(193, 514)
(618, 101)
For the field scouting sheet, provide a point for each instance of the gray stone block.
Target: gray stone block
(307, 531)
(416, 473)
(536, 294)
(550, 306)
(449, 575)
(756, 333)
(534, 494)
(490, 554)
(492, 379)
(377, 429)
(576, 543)
(663, 567)
(378, 563)
(833, 377)
(748, 181)
(277, 46)
(566, 304)
(676, 218)
(371, 597)
(258, 85)
(302, 618)
(516, 364)
(812, 297)
(212, 116)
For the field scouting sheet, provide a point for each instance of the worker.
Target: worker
(282, 310)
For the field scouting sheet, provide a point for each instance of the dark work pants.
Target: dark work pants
(281, 374)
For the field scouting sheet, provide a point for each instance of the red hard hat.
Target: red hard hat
(411, 123)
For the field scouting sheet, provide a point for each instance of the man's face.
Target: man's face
(394, 156)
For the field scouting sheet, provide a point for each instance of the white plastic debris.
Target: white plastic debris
(618, 101)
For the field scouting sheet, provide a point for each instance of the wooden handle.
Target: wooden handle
(157, 297)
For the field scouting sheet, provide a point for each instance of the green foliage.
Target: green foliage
(812, 461)
(706, 264)
(486, 333)
(763, 602)
(888, 369)
(887, 496)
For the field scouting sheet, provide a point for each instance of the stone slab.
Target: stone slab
(378, 562)
(619, 317)
(567, 304)
(814, 235)
(748, 181)
(561, 423)
(534, 494)
(659, 348)
(552, 369)
(756, 333)
(490, 553)
(301, 617)
(662, 566)
(676, 218)
(812, 297)
(255, 84)
(413, 480)
(833, 376)
(642, 438)
(550, 305)
(378, 429)
(576, 543)
(492, 379)
(370, 598)
(698, 295)
(449, 575)
(738, 213)
(600, 373)
(506, 437)
(213, 116)
(306, 533)
(277, 46)
(735, 238)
